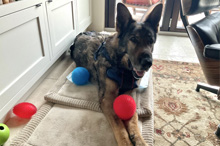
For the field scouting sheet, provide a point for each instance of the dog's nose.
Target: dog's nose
(146, 63)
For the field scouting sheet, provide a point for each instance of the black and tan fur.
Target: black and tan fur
(130, 49)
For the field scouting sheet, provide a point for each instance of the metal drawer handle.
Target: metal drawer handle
(38, 5)
(50, 1)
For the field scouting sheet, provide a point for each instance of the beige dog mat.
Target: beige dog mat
(73, 117)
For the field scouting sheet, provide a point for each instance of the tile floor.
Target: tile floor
(167, 48)
(174, 48)
(15, 123)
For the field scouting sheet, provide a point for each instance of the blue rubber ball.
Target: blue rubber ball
(80, 76)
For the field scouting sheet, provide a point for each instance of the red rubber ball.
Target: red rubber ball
(124, 107)
(24, 110)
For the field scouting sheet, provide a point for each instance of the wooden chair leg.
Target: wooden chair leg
(217, 133)
(218, 94)
(134, 10)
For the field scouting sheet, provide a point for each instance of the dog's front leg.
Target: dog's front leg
(120, 132)
(133, 130)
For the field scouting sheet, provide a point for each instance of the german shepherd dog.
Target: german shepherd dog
(121, 57)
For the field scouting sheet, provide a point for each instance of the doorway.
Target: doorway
(137, 9)
(170, 20)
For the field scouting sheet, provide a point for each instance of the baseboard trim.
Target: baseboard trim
(182, 34)
(109, 29)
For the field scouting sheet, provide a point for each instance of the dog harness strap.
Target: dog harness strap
(98, 51)
(116, 75)
(106, 55)
(102, 51)
(128, 82)
(123, 77)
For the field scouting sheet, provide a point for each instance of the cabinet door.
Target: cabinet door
(23, 53)
(84, 14)
(61, 24)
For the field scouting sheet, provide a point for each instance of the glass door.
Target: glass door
(137, 9)
(171, 18)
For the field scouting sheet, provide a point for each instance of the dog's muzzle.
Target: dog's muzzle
(146, 63)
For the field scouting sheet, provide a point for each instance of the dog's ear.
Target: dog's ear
(123, 19)
(153, 16)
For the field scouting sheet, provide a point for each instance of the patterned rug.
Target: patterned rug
(183, 117)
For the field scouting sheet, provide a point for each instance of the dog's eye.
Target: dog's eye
(150, 41)
(134, 39)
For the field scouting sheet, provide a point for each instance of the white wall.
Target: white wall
(98, 15)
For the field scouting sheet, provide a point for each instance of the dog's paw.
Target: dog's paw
(125, 142)
(141, 143)
(145, 113)
(137, 141)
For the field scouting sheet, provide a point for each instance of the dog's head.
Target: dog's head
(138, 38)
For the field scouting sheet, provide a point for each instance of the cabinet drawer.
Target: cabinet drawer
(23, 52)
(7, 9)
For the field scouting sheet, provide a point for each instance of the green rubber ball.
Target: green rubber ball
(4, 133)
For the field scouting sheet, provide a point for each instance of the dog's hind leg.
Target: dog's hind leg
(118, 127)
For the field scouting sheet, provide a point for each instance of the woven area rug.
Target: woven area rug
(183, 117)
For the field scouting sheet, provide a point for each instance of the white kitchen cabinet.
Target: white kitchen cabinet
(33, 35)
(61, 22)
(84, 14)
(24, 53)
